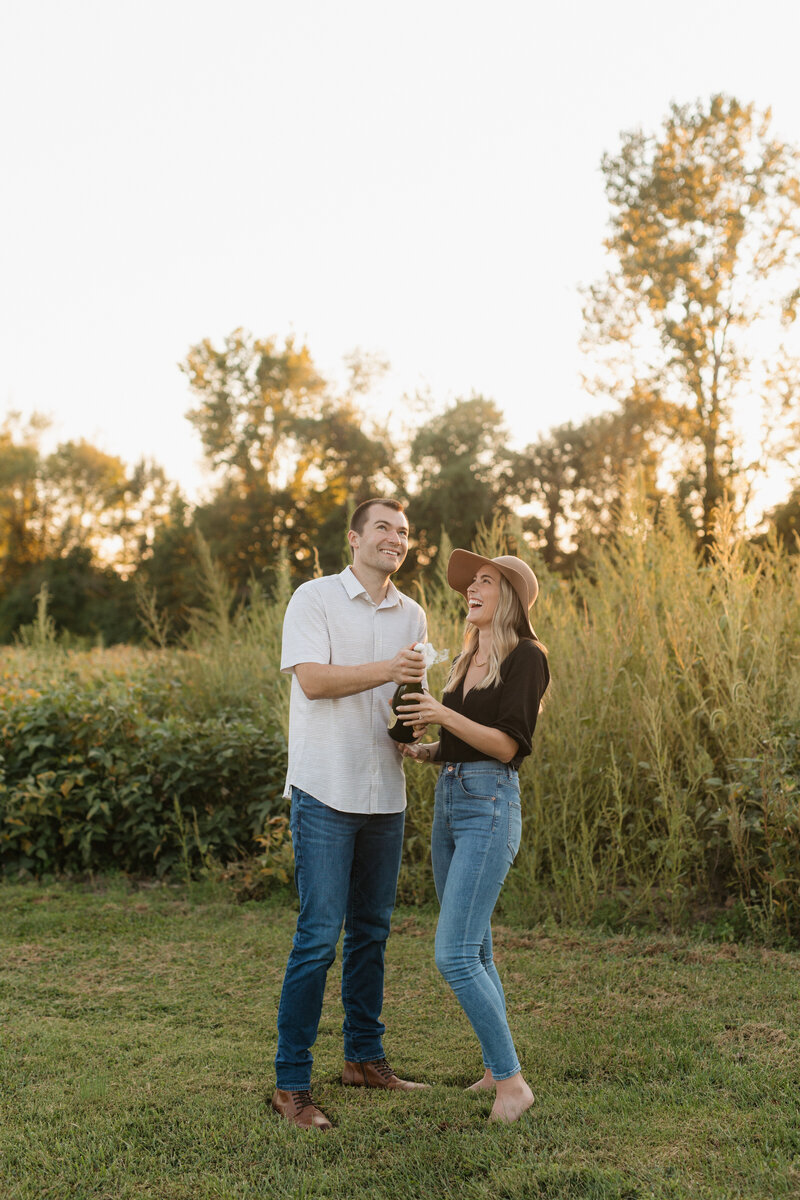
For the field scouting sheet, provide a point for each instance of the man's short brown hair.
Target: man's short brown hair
(360, 515)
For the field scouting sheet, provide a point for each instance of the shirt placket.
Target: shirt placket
(375, 716)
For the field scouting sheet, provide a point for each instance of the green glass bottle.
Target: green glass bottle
(397, 726)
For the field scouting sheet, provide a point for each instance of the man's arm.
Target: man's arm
(327, 681)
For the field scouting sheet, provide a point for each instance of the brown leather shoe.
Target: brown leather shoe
(300, 1109)
(377, 1074)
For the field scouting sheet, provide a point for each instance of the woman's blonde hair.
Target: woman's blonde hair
(509, 625)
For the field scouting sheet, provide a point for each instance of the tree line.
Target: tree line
(692, 320)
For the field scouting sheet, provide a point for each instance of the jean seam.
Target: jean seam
(349, 912)
(345, 963)
(296, 849)
(512, 804)
(476, 887)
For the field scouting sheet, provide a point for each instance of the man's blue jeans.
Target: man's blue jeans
(345, 869)
(477, 826)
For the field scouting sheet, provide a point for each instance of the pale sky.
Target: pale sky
(420, 180)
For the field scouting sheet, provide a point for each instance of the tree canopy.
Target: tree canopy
(704, 248)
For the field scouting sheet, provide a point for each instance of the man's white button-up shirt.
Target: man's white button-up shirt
(339, 750)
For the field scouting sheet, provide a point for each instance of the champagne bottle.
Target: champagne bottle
(397, 726)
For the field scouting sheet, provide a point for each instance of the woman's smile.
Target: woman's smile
(482, 596)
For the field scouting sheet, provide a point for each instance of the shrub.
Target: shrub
(91, 782)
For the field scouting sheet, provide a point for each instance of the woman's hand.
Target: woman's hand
(420, 710)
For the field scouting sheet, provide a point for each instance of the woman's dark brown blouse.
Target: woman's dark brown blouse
(511, 706)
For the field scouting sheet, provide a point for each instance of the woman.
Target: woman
(488, 715)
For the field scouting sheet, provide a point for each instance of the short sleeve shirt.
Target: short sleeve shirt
(511, 706)
(339, 750)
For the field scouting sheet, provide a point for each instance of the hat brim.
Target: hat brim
(463, 566)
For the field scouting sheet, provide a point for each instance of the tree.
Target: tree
(546, 476)
(462, 467)
(92, 499)
(250, 394)
(704, 243)
(19, 499)
(292, 454)
(167, 574)
(86, 599)
(574, 477)
(784, 523)
(78, 520)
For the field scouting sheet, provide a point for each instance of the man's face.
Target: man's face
(383, 543)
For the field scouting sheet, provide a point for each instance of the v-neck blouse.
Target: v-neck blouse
(511, 706)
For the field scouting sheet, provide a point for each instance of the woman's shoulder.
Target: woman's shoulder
(528, 650)
(527, 655)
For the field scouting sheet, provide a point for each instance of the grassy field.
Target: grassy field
(138, 1037)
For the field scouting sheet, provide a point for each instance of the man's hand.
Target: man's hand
(416, 750)
(407, 666)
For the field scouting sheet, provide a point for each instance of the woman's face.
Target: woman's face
(482, 596)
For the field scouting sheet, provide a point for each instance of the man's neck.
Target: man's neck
(375, 583)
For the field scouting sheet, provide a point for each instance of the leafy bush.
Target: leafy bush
(91, 782)
(760, 819)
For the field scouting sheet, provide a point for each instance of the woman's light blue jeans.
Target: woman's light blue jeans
(477, 825)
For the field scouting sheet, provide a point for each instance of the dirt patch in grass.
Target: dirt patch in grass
(28, 954)
(409, 927)
(767, 1043)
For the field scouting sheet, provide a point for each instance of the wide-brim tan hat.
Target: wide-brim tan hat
(463, 565)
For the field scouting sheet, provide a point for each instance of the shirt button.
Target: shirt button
(450, 769)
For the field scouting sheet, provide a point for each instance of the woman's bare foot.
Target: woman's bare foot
(483, 1085)
(513, 1098)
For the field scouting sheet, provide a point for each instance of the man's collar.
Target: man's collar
(354, 587)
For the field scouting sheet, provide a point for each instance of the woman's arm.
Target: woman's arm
(427, 711)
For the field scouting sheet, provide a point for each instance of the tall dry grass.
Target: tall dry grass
(665, 766)
(666, 761)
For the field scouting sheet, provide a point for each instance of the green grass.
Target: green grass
(138, 1037)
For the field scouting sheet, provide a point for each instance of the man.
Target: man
(347, 642)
